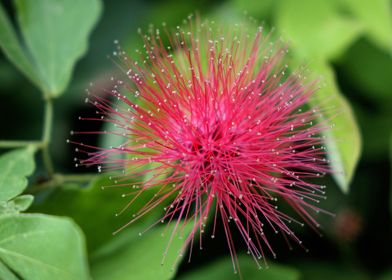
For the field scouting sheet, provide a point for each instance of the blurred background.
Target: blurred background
(354, 38)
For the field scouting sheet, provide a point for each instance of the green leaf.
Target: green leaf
(259, 9)
(79, 203)
(138, 257)
(371, 74)
(14, 167)
(42, 247)
(376, 15)
(316, 29)
(16, 205)
(223, 270)
(56, 34)
(11, 47)
(343, 140)
(374, 130)
(7, 274)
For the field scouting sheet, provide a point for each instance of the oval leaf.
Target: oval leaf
(10, 45)
(5, 273)
(343, 140)
(42, 247)
(376, 15)
(16, 205)
(316, 28)
(14, 167)
(78, 203)
(319, 32)
(56, 34)
(138, 257)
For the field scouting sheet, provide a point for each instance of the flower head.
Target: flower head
(217, 127)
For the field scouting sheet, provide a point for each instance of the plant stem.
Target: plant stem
(59, 179)
(20, 144)
(46, 135)
(77, 178)
(55, 179)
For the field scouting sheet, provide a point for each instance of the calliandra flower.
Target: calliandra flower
(216, 126)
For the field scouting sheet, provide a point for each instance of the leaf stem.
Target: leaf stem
(59, 179)
(46, 135)
(19, 144)
(78, 178)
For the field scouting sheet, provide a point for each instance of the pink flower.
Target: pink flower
(216, 126)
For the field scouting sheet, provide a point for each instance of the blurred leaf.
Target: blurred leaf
(23, 202)
(225, 14)
(16, 205)
(316, 29)
(223, 270)
(343, 141)
(58, 39)
(14, 167)
(42, 247)
(371, 74)
(390, 191)
(139, 256)
(386, 276)
(81, 203)
(376, 15)
(9, 43)
(6, 274)
(326, 271)
(259, 9)
(375, 124)
(170, 12)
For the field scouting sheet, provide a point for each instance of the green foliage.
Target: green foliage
(103, 204)
(223, 270)
(386, 276)
(15, 166)
(61, 21)
(146, 252)
(16, 205)
(315, 29)
(12, 48)
(376, 16)
(34, 246)
(318, 33)
(371, 73)
(5, 273)
(371, 77)
(43, 56)
(46, 39)
(260, 9)
(343, 140)
(41, 247)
